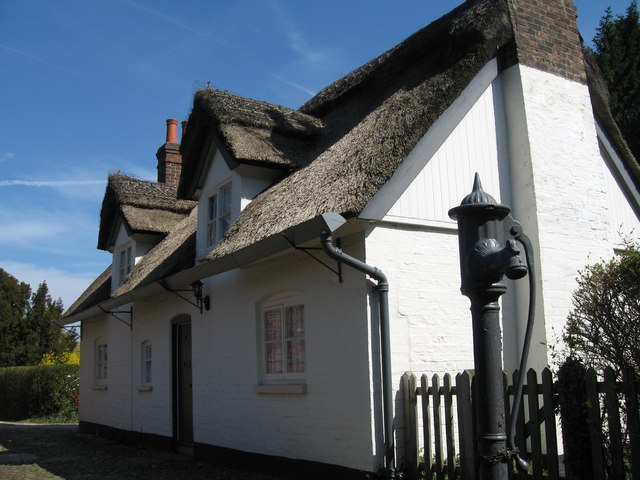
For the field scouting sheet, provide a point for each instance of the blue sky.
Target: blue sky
(86, 87)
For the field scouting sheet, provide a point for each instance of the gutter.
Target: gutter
(385, 348)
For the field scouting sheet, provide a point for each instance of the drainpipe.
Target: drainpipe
(385, 348)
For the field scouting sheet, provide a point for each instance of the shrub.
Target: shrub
(602, 330)
(38, 391)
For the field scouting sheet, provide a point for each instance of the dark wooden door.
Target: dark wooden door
(183, 384)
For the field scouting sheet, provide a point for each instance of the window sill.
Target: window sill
(296, 389)
(98, 387)
(145, 388)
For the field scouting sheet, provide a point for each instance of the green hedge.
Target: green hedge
(38, 391)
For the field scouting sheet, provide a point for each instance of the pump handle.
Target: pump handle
(515, 230)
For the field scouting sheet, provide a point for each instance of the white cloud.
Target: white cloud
(62, 284)
(6, 156)
(45, 232)
(20, 231)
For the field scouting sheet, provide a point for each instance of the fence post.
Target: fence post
(595, 424)
(574, 418)
(613, 421)
(410, 425)
(550, 424)
(465, 426)
(631, 392)
(426, 424)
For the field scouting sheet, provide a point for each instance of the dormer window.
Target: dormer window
(125, 263)
(218, 214)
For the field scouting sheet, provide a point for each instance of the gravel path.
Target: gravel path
(59, 452)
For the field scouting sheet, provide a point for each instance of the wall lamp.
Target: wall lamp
(196, 288)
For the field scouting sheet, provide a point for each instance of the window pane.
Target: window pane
(273, 325)
(225, 221)
(225, 204)
(129, 261)
(211, 232)
(295, 321)
(274, 357)
(213, 207)
(296, 356)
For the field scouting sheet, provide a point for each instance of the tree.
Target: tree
(14, 304)
(27, 332)
(617, 43)
(602, 330)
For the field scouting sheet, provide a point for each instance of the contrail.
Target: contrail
(50, 183)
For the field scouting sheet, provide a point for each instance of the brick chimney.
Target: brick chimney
(169, 158)
(547, 37)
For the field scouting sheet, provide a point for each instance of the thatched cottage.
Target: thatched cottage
(279, 356)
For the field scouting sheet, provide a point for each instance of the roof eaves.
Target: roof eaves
(300, 234)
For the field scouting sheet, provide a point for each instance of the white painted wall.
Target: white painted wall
(121, 404)
(321, 425)
(558, 174)
(246, 183)
(110, 406)
(138, 250)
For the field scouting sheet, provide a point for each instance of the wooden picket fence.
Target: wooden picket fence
(439, 424)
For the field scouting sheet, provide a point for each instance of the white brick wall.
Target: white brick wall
(559, 189)
(322, 425)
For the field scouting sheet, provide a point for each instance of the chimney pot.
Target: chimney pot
(184, 128)
(172, 130)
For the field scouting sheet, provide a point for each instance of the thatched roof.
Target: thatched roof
(372, 119)
(97, 292)
(145, 207)
(602, 108)
(249, 131)
(337, 150)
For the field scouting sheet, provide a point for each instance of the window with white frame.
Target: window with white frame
(100, 360)
(218, 214)
(283, 340)
(146, 363)
(125, 263)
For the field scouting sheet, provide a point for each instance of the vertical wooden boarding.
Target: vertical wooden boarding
(448, 426)
(534, 424)
(631, 392)
(437, 427)
(466, 438)
(550, 425)
(410, 425)
(613, 422)
(595, 427)
(426, 425)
